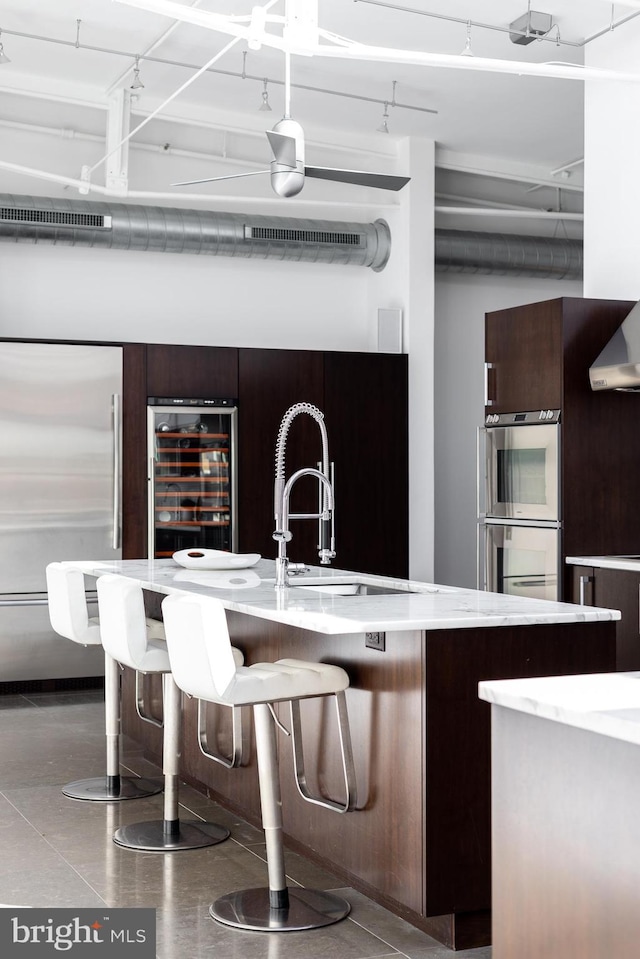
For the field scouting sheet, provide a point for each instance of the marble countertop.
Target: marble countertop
(604, 703)
(415, 605)
(606, 562)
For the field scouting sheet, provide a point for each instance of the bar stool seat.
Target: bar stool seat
(124, 636)
(202, 664)
(69, 616)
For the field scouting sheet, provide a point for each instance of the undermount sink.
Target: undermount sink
(351, 589)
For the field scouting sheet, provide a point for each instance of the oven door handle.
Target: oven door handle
(481, 472)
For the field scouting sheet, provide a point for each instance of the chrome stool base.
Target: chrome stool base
(307, 909)
(161, 836)
(112, 788)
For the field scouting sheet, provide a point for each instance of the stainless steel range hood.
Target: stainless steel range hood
(618, 366)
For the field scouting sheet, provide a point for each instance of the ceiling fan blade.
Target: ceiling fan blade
(230, 176)
(383, 181)
(284, 148)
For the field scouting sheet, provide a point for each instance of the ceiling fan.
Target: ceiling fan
(288, 169)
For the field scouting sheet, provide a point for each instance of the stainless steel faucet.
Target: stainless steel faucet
(282, 493)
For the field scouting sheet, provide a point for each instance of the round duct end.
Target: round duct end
(382, 252)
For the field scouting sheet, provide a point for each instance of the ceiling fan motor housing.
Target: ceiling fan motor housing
(287, 167)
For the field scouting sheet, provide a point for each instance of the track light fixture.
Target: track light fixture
(384, 126)
(3, 57)
(265, 106)
(137, 82)
(468, 52)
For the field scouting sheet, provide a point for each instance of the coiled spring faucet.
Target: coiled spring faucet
(282, 493)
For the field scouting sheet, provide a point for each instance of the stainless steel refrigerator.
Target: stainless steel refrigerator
(60, 489)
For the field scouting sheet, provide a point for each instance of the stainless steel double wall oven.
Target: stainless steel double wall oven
(519, 504)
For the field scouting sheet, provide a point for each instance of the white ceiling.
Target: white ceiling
(522, 120)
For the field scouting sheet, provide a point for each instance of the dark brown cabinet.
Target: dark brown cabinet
(192, 371)
(613, 589)
(366, 411)
(364, 399)
(523, 356)
(538, 355)
(134, 447)
(538, 358)
(270, 382)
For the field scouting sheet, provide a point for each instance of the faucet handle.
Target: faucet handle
(326, 555)
(282, 535)
(296, 568)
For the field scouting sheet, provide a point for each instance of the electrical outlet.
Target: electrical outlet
(375, 641)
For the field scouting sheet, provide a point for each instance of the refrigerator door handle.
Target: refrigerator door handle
(117, 439)
(481, 555)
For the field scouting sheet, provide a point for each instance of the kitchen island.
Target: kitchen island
(419, 839)
(566, 831)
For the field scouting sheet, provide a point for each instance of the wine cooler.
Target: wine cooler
(192, 474)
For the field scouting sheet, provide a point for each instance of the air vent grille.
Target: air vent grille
(93, 221)
(302, 236)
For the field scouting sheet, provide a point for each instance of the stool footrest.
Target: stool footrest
(237, 757)
(346, 751)
(141, 708)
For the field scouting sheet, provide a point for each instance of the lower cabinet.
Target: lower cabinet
(613, 589)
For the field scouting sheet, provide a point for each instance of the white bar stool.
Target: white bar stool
(125, 638)
(203, 666)
(70, 618)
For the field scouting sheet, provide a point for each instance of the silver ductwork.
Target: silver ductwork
(120, 226)
(459, 251)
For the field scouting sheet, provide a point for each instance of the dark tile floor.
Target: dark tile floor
(59, 852)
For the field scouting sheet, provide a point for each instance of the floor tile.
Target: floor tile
(59, 851)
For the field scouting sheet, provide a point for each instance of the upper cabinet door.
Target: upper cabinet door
(270, 382)
(366, 411)
(524, 357)
(204, 372)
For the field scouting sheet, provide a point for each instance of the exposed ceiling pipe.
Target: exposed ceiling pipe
(512, 213)
(119, 226)
(461, 251)
(67, 222)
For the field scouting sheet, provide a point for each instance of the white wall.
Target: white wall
(48, 291)
(461, 302)
(612, 183)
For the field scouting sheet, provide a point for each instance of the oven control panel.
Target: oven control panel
(528, 418)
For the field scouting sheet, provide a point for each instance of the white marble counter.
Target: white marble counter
(605, 703)
(606, 562)
(417, 606)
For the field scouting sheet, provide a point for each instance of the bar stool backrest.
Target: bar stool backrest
(124, 627)
(68, 610)
(202, 659)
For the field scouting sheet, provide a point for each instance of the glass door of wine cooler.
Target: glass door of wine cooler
(192, 475)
